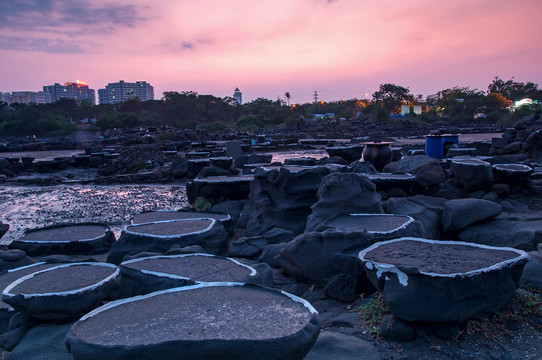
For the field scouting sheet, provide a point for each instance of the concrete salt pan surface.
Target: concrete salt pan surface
(206, 321)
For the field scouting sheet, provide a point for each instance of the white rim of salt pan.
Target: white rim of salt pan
(173, 276)
(213, 221)
(226, 179)
(391, 176)
(474, 162)
(116, 303)
(403, 278)
(7, 290)
(403, 226)
(505, 167)
(201, 215)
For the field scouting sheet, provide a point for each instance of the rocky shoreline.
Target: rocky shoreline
(294, 223)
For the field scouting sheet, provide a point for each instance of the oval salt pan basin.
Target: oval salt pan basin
(63, 292)
(385, 181)
(374, 223)
(164, 215)
(153, 273)
(513, 174)
(206, 321)
(11, 275)
(84, 238)
(161, 236)
(443, 281)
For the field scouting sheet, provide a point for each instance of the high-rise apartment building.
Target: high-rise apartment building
(27, 97)
(238, 96)
(121, 91)
(78, 90)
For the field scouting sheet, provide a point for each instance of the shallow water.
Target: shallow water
(38, 206)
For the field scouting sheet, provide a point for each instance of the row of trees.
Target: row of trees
(189, 110)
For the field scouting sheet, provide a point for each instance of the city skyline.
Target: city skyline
(340, 48)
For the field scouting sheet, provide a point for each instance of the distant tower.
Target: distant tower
(238, 96)
(315, 96)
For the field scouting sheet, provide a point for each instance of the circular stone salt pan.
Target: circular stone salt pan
(172, 228)
(374, 223)
(73, 232)
(206, 321)
(70, 238)
(519, 168)
(62, 292)
(473, 162)
(165, 215)
(196, 267)
(439, 258)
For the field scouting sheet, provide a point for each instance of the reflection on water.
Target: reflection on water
(280, 156)
(31, 207)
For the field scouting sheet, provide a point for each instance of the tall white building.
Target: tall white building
(238, 96)
(121, 91)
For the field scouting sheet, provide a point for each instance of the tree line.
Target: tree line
(191, 110)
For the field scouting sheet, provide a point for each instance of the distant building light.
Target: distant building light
(522, 102)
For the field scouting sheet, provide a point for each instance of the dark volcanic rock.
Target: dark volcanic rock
(457, 214)
(473, 174)
(348, 153)
(44, 341)
(342, 287)
(308, 255)
(219, 188)
(282, 197)
(517, 231)
(343, 193)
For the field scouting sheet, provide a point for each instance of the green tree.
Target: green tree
(514, 90)
(390, 97)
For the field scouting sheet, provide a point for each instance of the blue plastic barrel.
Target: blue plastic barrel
(435, 145)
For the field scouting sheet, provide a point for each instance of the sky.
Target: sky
(343, 49)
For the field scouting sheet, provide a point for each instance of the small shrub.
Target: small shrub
(201, 204)
(372, 313)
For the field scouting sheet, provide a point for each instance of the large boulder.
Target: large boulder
(426, 169)
(348, 153)
(518, 231)
(426, 218)
(454, 281)
(45, 341)
(458, 214)
(307, 257)
(344, 193)
(473, 175)
(282, 197)
(219, 188)
(532, 273)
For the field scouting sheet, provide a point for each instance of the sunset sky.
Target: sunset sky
(341, 48)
